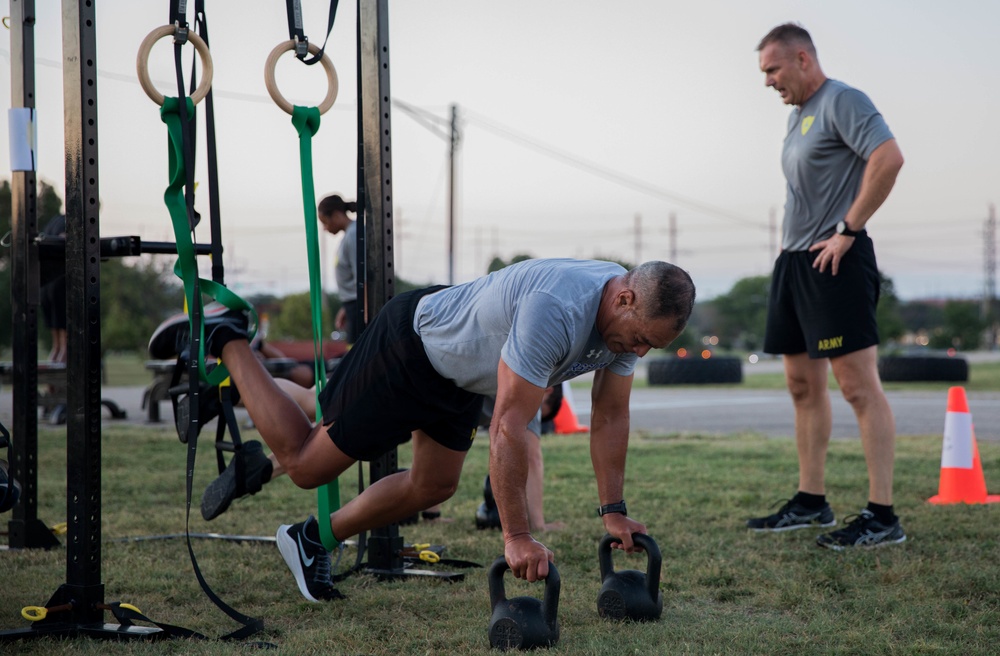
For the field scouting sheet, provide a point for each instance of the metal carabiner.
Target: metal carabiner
(301, 47)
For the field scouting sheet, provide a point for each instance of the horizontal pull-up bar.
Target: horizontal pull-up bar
(53, 248)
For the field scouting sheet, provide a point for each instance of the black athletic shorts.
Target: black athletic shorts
(52, 298)
(823, 314)
(385, 388)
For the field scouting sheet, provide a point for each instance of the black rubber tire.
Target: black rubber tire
(915, 368)
(696, 371)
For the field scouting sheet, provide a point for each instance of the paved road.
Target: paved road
(670, 410)
(691, 409)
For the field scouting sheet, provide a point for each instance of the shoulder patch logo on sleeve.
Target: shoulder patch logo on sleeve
(807, 123)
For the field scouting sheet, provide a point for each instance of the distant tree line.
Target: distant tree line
(738, 318)
(138, 293)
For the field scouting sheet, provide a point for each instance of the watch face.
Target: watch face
(841, 227)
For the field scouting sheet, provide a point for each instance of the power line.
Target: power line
(475, 118)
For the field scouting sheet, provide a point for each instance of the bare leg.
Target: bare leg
(432, 479)
(304, 451)
(58, 352)
(807, 383)
(857, 374)
(304, 397)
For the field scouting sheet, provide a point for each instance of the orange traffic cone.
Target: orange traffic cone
(565, 421)
(962, 479)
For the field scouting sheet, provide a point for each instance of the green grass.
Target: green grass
(983, 377)
(125, 370)
(726, 591)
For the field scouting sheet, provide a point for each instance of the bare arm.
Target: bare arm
(609, 428)
(516, 404)
(879, 178)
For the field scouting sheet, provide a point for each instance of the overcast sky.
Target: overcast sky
(577, 117)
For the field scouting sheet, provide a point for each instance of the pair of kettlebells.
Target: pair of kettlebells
(523, 622)
(630, 594)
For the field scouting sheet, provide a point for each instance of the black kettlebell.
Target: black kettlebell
(523, 622)
(630, 594)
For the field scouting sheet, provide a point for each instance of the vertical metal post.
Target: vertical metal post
(83, 311)
(375, 188)
(25, 529)
(988, 310)
(451, 193)
(638, 239)
(672, 233)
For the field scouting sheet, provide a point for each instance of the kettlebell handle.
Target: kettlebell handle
(654, 560)
(550, 602)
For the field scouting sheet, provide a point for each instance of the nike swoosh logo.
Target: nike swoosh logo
(306, 560)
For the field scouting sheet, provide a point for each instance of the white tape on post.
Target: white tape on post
(23, 139)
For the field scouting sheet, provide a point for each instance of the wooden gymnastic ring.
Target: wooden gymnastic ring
(272, 86)
(142, 64)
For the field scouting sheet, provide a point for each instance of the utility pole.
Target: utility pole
(773, 230)
(672, 234)
(988, 309)
(451, 193)
(638, 239)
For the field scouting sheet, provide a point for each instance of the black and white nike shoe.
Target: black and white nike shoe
(308, 560)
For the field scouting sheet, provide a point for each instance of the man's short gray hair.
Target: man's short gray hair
(665, 289)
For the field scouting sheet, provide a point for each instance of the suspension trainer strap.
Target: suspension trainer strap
(306, 121)
(214, 212)
(186, 267)
(177, 114)
(297, 34)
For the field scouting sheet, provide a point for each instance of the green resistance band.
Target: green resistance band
(186, 267)
(306, 122)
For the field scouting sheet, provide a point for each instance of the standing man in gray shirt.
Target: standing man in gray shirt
(841, 162)
(332, 214)
(424, 364)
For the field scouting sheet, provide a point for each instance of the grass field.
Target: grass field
(726, 591)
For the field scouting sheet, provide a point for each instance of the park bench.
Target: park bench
(52, 391)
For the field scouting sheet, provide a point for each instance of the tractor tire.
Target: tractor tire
(690, 371)
(895, 368)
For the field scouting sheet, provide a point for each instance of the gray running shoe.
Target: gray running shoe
(793, 515)
(863, 530)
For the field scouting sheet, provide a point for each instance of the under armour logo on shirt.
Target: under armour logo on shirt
(594, 353)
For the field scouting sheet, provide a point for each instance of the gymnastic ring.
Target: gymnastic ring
(272, 86)
(142, 64)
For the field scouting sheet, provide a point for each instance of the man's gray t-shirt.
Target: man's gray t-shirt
(538, 315)
(830, 138)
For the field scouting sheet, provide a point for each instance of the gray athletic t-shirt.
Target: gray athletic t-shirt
(346, 268)
(830, 138)
(538, 315)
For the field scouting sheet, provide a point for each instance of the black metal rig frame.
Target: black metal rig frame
(81, 598)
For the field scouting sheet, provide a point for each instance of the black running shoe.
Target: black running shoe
(221, 492)
(863, 530)
(793, 515)
(173, 335)
(308, 560)
(209, 407)
(488, 515)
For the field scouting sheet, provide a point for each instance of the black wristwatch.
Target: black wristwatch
(842, 229)
(612, 508)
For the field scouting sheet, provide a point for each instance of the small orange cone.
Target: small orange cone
(962, 479)
(565, 421)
